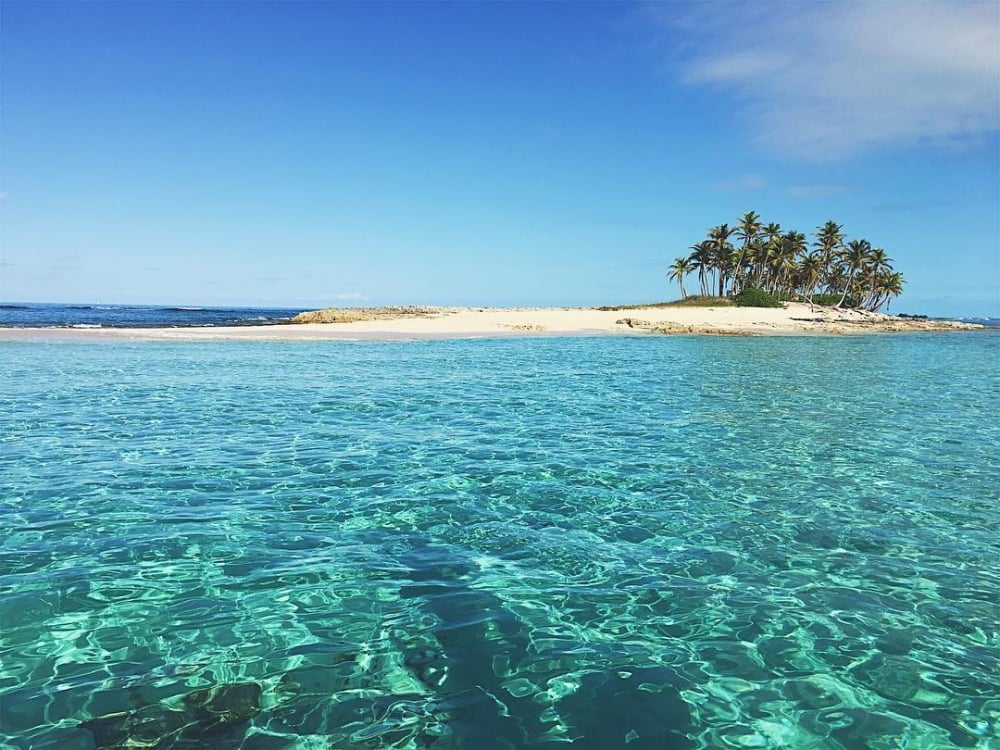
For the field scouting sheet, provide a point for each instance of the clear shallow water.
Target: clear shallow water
(688, 542)
(47, 315)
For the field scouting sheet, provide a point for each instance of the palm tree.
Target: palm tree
(701, 261)
(726, 258)
(834, 278)
(890, 285)
(829, 240)
(719, 236)
(829, 237)
(682, 267)
(782, 260)
(772, 231)
(796, 242)
(748, 230)
(772, 238)
(812, 267)
(854, 256)
(757, 261)
(879, 264)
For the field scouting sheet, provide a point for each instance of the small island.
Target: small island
(754, 279)
(694, 315)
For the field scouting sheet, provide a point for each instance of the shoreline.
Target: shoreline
(431, 323)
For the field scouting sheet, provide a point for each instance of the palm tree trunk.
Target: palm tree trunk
(847, 288)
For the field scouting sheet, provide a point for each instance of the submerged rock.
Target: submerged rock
(489, 684)
(204, 714)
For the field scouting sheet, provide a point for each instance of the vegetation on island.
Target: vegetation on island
(759, 265)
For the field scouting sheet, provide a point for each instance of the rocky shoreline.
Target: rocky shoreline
(356, 314)
(884, 324)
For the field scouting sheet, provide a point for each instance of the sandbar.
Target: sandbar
(412, 323)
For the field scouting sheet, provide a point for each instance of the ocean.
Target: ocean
(40, 315)
(619, 542)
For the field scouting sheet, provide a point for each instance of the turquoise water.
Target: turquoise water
(677, 542)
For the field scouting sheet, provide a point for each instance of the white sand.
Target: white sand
(794, 319)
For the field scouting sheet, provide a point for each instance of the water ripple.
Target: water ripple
(641, 543)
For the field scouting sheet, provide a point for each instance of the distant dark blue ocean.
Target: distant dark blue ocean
(39, 315)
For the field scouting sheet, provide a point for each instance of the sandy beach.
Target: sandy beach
(470, 322)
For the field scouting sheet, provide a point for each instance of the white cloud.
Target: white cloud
(349, 296)
(827, 80)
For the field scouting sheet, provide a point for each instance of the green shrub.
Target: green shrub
(755, 298)
(691, 301)
(696, 300)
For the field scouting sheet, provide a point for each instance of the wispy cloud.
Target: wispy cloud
(828, 80)
(350, 296)
(739, 185)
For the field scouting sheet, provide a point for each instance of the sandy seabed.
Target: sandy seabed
(473, 322)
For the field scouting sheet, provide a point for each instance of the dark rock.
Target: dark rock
(205, 714)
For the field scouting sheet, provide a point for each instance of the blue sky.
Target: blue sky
(308, 154)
